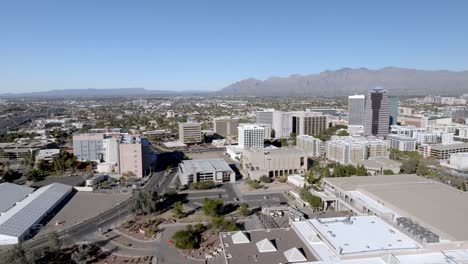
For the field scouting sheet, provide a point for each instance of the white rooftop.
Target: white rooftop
(18, 220)
(361, 234)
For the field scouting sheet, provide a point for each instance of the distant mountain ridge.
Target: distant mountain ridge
(91, 92)
(342, 82)
(346, 81)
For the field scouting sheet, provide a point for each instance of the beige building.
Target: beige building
(273, 162)
(134, 156)
(190, 133)
(313, 146)
(308, 123)
(226, 126)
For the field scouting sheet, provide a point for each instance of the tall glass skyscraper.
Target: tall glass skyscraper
(394, 102)
(377, 113)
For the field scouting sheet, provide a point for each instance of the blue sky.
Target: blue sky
(206, 45)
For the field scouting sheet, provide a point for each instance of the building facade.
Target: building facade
(377, 113)
(353, 150)
(308, 123)
(282, 124)
(190, 133)
(356, 105)
(313, 146)
(226, 126)
(251, 136)
(264, 116)
(133, 153)
(215, 170)
(274, 162)
(402, 143)
(88, 147)
(394, 103)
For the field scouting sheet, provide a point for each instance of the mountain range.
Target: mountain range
(346, 81)
(398, 81)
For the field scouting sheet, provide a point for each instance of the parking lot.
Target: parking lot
(82, 206)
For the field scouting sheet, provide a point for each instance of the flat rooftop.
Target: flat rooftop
(283, 239)
(205, 165)
(361, 234)
(436, 206)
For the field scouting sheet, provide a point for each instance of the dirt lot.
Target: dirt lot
(82, 206)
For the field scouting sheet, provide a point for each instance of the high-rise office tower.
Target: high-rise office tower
(308, 123)
(394, 102)
(377, 113)
(264, 116)
(282, 124)
(225, 126)
(356, 104)
(251, 136)
(190, 133)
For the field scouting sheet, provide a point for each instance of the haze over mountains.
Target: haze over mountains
(398, 81)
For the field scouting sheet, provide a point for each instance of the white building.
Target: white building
(18, 222)
(426, 137)
(457, 161)
(111, 151)
(264, 116)
(402, 143)
(356, 105)
(296, 180)
(314, 146)
(47, 154)
(251, 136)
(282, 124)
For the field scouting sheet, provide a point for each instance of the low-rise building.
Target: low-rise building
(441, 151)
(457, 164)
(47, 154)
(274, 162)
(401, 143)
(353, 150)
(204, 170)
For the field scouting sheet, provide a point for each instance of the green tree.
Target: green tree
(313, 200)
(178, 211)
(186, 239)
(265, 179)
(54, 242)
(244, 209)
(388, 172)
(81, 254)
(254, 184)
(18, 255)
(343, 133)
(311, 177)
(144, 202)
(213, 208)
(409, 166)
(361, 171)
